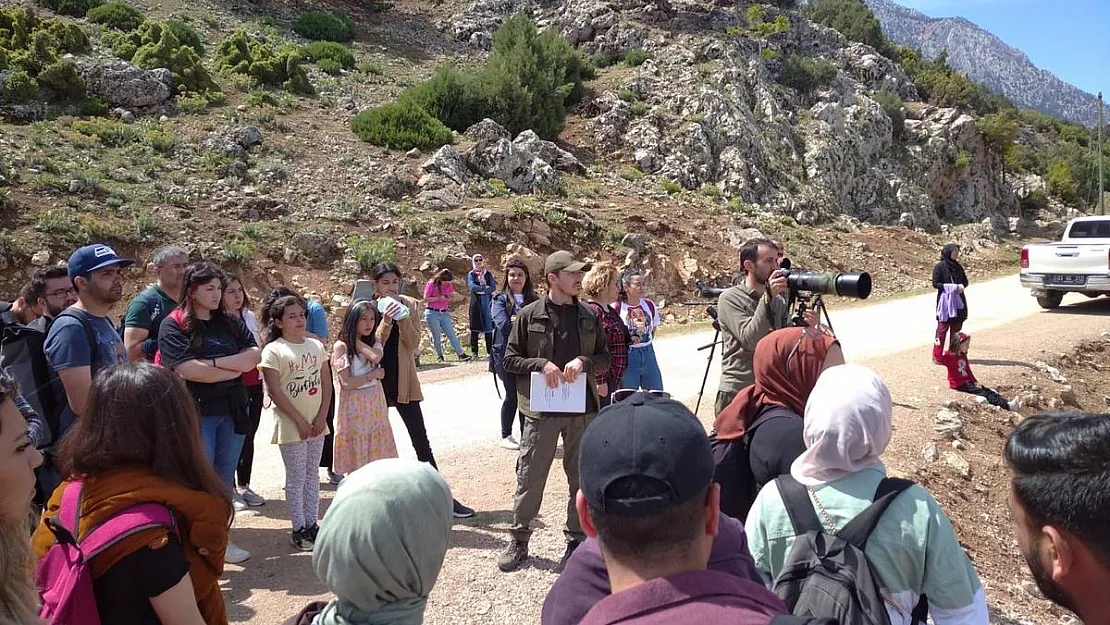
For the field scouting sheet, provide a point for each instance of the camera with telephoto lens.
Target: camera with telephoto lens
(856, 284)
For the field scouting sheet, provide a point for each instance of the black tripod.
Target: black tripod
(800, 301)
(712, 312)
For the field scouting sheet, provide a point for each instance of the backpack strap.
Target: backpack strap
(69, 511)
(798, 505)
(857, 531)
(90, 334)
(130, 521)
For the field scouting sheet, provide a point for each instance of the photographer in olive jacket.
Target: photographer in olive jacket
(562, 338)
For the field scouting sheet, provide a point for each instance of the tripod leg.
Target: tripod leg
(708, 364)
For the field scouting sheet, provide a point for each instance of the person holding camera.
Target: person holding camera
(750, 311)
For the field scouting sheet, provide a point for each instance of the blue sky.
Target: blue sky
(1070, 38)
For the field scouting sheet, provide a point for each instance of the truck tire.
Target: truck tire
(1050, 299)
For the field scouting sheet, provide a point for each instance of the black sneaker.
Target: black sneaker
(513, 557)
(313, 531)
(302, 539)
(464, 357)
(571, 546)
(461, 511)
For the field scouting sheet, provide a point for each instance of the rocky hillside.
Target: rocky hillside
(987, 59)
(719, 123)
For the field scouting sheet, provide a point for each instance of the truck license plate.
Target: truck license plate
(1069, 280)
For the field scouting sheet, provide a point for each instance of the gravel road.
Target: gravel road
(893, 337)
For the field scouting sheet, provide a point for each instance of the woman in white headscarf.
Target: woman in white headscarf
(913, 549)
(381, 545)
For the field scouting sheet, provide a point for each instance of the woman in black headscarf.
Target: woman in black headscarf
(949, 279)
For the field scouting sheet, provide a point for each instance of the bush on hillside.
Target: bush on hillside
(258, 60)
(325, 26)
(854, 20)
(187, 35)
(62, 81)
(154, 45)
(451, 96)
(892, 105)
(943, 86)
(636, 57)
(73, 8)
(338, 53)
(117, 15)
(531, 77)
(805, 73)
(329, 66)
(400, 127)
(19, 87)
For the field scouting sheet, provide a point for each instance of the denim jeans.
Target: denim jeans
(643, 370)
(440, 321)
(221, 446)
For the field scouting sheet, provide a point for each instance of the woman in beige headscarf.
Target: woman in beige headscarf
(381, 545)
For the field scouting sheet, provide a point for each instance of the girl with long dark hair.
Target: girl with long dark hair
(295, 370)
(139, 442)
(212, 350)
(437, 300)
(362, 430)
(18, 461)
(237, 304)
(399, 334)
(641, 316)
(482, 286)
(950, 280)
(516, 294)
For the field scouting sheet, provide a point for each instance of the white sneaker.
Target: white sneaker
(238, 502)
(236, 554)
(251, 498)
(509, 443)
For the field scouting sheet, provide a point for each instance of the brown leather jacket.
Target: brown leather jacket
(203, 521)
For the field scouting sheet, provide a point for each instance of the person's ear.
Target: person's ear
(583, 509)
(713, 510)
(1061, 554)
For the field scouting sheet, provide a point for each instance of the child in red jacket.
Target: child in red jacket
(961, 378)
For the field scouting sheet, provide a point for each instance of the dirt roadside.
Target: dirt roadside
(276, 583)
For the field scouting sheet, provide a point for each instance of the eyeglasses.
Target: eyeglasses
(625, 393)
(62, 292)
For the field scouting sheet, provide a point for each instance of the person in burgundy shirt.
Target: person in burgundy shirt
(960, 377)
(647, 496)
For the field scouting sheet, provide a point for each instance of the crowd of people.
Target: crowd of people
(136, 443)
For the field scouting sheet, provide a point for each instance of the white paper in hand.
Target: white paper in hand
(567, 397)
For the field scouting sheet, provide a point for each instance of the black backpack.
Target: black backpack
(828, 575)
(733, 467)
(22, 354)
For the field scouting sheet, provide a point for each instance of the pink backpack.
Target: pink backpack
(63, 577)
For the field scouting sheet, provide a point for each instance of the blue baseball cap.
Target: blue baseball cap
(92, 257)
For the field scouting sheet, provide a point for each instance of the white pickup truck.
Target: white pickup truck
(1079, 263)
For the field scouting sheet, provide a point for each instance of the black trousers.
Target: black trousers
(509, 406)
(474, 342)
(992, 396)
(246, 456)
(326, 460)
(413, 418)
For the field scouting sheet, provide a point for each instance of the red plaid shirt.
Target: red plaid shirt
(616, 339)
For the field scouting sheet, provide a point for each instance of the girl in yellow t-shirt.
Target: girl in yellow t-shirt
(295, 368)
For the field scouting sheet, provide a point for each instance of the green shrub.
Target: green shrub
(602, 59)
(93, 108)
(239, 251)
(531, 77)
(187, 35)
(963, 160)
(711, 191)
(237, 54)
(19, 87)
(154, 44)
(1061, 182)
(261, 97)
(640, 108)
(636, 57)
(160, 139)
(1036, 201)
(117, 15)
(806, 74)
(329, 66)
(400, 127)
(631, 174)
(370, 252)
(4, 57)
(854, 20)
(451, 96)
(340, 54)
(69, 36)
(109, 132)
(74, 8)
(62, 81)
(770, 54)
(892, 104)
(325, 26)
(192, 103)
(628, 95)
(671, 187)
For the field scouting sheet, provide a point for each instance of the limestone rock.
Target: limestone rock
(549, 153)
(119, 83)
(517, 168)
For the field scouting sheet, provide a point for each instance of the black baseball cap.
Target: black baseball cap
(650, 436)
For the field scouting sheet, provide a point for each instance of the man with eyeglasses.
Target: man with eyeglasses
(146, 312)
(561, 338)
(53, 293)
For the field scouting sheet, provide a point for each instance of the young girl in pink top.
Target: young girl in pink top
(437, 298)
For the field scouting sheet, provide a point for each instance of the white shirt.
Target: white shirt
(652, 322)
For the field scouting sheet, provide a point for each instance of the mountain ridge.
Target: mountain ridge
(988, 59)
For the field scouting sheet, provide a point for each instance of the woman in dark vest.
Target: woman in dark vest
(482, 286)
(950, 280)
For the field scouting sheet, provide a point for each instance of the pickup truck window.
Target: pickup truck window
(1090, 230)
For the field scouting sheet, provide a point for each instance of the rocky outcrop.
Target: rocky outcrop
(119, 83)
(234, 143)
(518, 168)
(549, 153)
